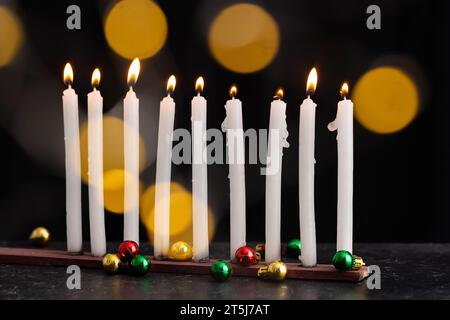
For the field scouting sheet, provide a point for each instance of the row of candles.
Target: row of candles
(233, 122)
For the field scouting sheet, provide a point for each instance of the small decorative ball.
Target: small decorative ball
(246, 256)
(357, 263)
(111, 263)
(40, 236)
(221, 270)
(140, 265)
(128, 250)
(343, 260)
(260, 251)
(276, 271)
(180, 251)
(294, 248)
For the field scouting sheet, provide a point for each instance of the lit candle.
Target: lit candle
(306, 174)
(131, 157)
(199, 175)
(73, 169)
(163, 172)
(95, 168)
(277, 141)
(232, 125)
(344, 126)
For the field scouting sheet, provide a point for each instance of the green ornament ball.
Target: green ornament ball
(294, 248)
(221, 270)
(343, 260)
(140, 265)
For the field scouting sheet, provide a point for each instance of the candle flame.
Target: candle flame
(171, 83)
(68, 74)
(133, 72)
(199, 84)
(233, 91)
(312, 81)
(279, 94)
(344, 90)
(95, 78)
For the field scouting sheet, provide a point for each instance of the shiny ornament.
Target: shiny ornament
(294, 248)
(343, 260)
(128, 250)
(111, 263)
(221, 270)
(276, 271)
(40, 236)
(246, 256)
(180, 251)
(260, 251)
(357, 263)
(140, 265)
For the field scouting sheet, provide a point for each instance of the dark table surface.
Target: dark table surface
(408, 271)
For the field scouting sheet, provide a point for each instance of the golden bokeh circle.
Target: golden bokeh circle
(113, 186)
(386, 100)
(136, 28)
(113, 190)
(113, 156)
(113, 161)
(180, 214)
(244, 38)
(11, 36)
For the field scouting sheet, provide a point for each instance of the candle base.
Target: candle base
(45, 257)
(75, 253)
(161, 258)
(202, 260)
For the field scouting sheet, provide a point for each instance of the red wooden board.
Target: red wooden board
(45, 257)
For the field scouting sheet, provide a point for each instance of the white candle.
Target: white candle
(306, 174)
(233, 127)
(73, 169)
(199, 175)
(344, 126)
(277, 141)
(131, 157)
(163, 172)
(95, 168)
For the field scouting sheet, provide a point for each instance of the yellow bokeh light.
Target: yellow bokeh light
(244, 38)
(11, 36)
(386, 100)
(112, 146)
(180, 214)
(113, 186)
(136, 28)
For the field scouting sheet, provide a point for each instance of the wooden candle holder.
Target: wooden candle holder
(45, 257)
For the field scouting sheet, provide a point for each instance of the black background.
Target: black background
(401, 180)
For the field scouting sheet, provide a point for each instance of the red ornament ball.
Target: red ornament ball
(128, 250)
(246, 256)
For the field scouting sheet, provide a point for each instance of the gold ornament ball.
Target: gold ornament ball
(180, 251)
(357, 263)
(111, 263)
(276, 271)
(40, 236)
